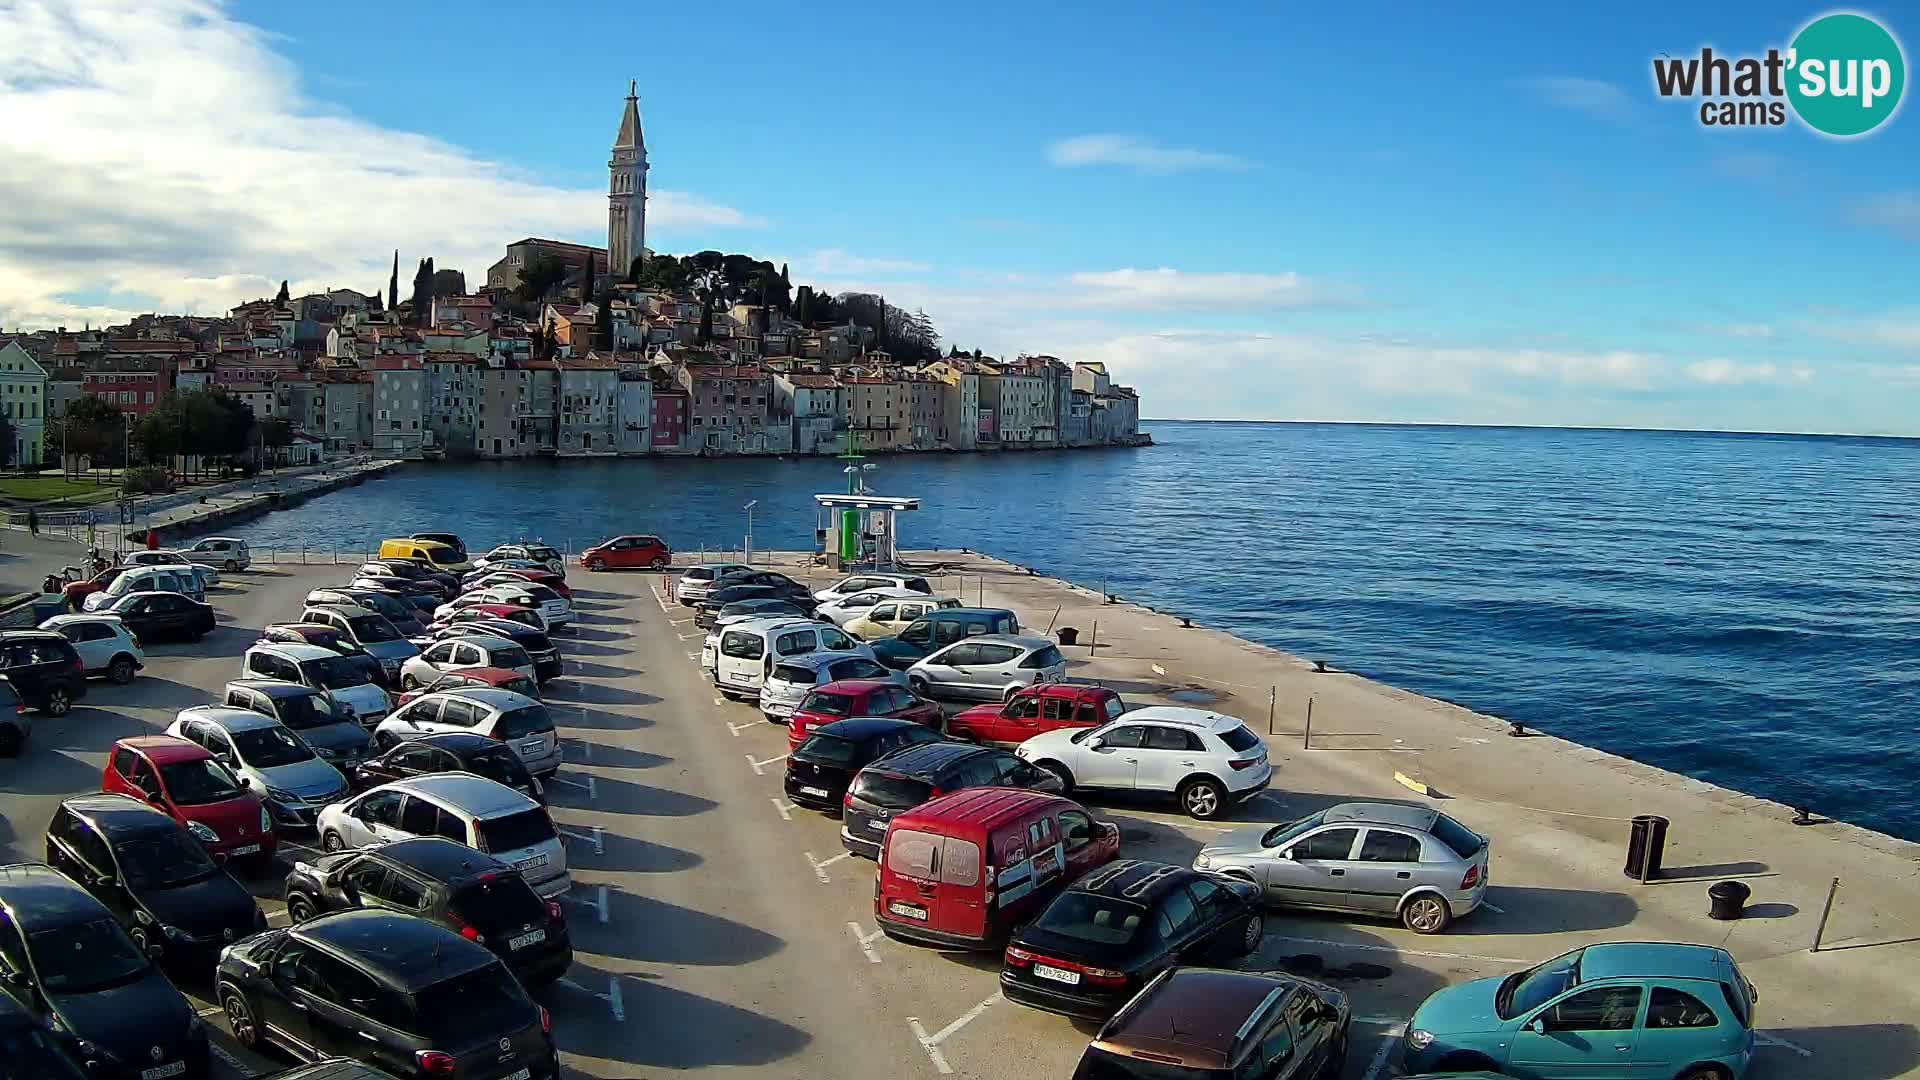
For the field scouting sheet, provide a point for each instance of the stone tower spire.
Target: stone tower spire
(627, 191)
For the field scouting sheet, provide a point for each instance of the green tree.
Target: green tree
(92, 428)
(663, 272)
(706, 273)
(540, 275)
(282, 299)
(6, 441)
(603, 322)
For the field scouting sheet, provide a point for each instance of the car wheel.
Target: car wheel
(920, 687)
(408, 682)
(384, 741)
(121, 670)
(1704, 1072)
(59, 701)
(1007, 696)
(1058, 770)
(596, 564)
(231, 566)
(1250, 934)
(330, 841)
(299, 908)
(1426, 914)
(659, 562)
(1203, 799)
(239, 1018)
(10, 740)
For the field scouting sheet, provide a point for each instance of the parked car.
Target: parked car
(421, 598)
(30, 1048)
(782, 586)
(332, 732)
(226, 552)
(485, 600)
(890, 617)
(104, 644)
(539, 575)
(45, 670)
(1412, 863)
(345, 681)
(272, 760)
(322, 636)
(175, 902)
(372, 632)
(489, 612)
(446, 539)
(517, 721)
(15, 724)
(706, 613)
(461, 807)
(710, 617)
(692, 585)
(862, 582)
(410, 570)
(148, 579)
(403, 615)
(1574, 1016)
(413, 998)
(65, 960)
(835, 701)
(792, 679)
(547, 662)
(208, 575)
(627, 553)
(820, 768)
(1045, 707)
(447, 752)
(474, 676)
(448, 884)
(438, 555)
(544, 554)
(842, 610)
(379, 575)
(153, 616)
(747, 651)
(76, 592)
(1114, 930)
(905, 779)
(991, 667)
(1206, 761)
(183, 780)
(964, 869)
(938, 629)
(329, 1068)
(1195, 1023)
(469, 649)
(555, 608)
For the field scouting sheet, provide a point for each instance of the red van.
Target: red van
(1037, 709)
(965, 869)
(184, 781)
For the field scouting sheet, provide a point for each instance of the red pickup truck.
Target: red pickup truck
(1037, 709)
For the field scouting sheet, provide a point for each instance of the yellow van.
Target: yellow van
(434, 552)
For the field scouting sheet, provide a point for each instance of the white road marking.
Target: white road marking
(1381, 1055)
(596, 838)
(612, 997)
(820, 868)
(587, 785)
(759, 767)
(278, 918)
(1765, 1039)
(598, 904)
(738, 728)
(931, 1043)
(785, 807)
(690, 637)
(1393, 949)
(228, 1059)
(1492, 908)
(720, 701)
(694, 656)
(213, 1010)
(866, 941)
(660, 599)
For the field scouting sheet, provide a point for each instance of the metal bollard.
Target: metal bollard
(1825, 910)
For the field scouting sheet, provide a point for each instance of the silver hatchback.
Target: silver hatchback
(987, 667)
(1405, 862)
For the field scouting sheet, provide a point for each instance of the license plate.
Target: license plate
(874, 826)
(525, 940)
(531, 864)
(534, 746)
(819, 792)
(907, 911)
(1048, 971)
(158, 1071)
(246, 849)
(523, 1074)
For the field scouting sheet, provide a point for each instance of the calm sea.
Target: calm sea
(1741, 608)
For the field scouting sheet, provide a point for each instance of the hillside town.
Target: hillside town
(570, 350)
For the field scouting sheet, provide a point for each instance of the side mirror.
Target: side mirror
(1537, 1026)
(1097, 745)
(1288, 854)
(245, 782)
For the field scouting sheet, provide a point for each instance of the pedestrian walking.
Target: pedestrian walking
(153, 540)
(33, 521)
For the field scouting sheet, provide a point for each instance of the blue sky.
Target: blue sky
(1246, 213)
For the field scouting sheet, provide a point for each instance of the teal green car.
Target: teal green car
(1620, 1011)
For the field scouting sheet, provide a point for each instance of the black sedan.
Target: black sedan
(706, 616)
(28, 1051)
(1113, 930)
(176, 902)
(156, 616)
(451, 751)
(64, 959)
(821, 768)
(781, 584)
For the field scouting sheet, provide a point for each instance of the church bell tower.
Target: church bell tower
(627, 191)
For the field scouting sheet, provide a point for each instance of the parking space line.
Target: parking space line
(1395, 949)
(587, 785)
(820, 867)
(612, 997)
(1380, 1056)
(931, 1043)
(694, 656)
(865, 941)
(786, 808)
(596, 838)
(228, 1059)
(1492, 908)
(736, 729)
(690, 637)
(215, 1010)
(598, 905)
(720, 701)
(759, 767)
(1765, 1039)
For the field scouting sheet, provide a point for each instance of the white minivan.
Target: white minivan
(748, 650)
(462, 807)
(177, 579)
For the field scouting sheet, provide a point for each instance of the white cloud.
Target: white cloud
(1165, 289)
(834, 262)
(1602, 99)
(1897, 211)
(1747, 330)
(159, 155)
(1899, 330)
(1142, 154)
(1719, 371)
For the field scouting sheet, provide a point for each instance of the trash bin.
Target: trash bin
(1729, 899)
(1069, 635)
(1645, 846)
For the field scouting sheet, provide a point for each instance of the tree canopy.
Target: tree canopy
(540, 275)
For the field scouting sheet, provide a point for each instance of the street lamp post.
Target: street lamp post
(746, 548)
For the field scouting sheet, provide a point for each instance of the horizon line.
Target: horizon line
(1531, 427)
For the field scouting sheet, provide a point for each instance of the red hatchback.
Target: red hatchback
(627, 553)
(556, 582)
(183, 781)
(510, 612)
(859, 697)
(1037, 709)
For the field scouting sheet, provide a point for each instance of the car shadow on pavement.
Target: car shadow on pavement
(1855, 1051)
(47, 765)
(627, 854)
(615, 796)
(568, 715)
(661, 1027)
(614, 757)
(652, 931)
(574, 649)
(592, 635)
(598, 671)
(1530, 910)
(1367, 967)
(148, 692)
(601, 694)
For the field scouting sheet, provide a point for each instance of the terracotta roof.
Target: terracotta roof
(438, 357)
(590, 362)
(396, 363)
(814, 382)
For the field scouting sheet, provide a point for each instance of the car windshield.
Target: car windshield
(1086, 916)
(195, 783)
(497, 902)
(268, 747)
(793, 673)
(485, 1000)
(522, 685)
(512, 657)
(515, 831)
(1464, 841)
(303, 711)
(1239, 739)
(1283, 834)
(829, 704)
(373, 628)
(827, 750)
(521, 722)
(163, 859)
(1528, 990)
(334, 673)
(886, 789)
(502, 766)
(85, 957)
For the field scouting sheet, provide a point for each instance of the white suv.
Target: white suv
(515, 719)
(1207, 761)
(462, 807)
(695, 581)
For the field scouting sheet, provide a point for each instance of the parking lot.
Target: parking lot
(717, 925)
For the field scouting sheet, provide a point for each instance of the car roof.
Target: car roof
(313, 627)
(30, 635)
(482, 672)
(165, 749)
(494, 696)
(928, 759)
(1136, 880)
(276, 688)
(458, 742)
(403, 950)
(220, 539)
(985, 807)
(345, 611)
(1372, 813)
(821, 659)
(1068, 689)
(891, 592)
(966, 612)
(1029, 642)
(480, 638)
(477, 795)
(295, 651)
(853, 687)
(1199, 1015)
(76, 618)
(1201, 719)
(862, 728)
(117, 812)
(41, 897)
(769, 623)
(229, 719)
(441, 859)
(1655, 960)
